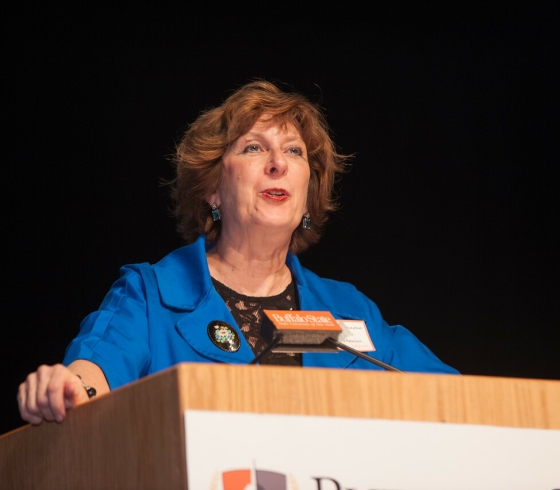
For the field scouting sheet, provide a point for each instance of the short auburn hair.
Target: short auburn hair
(198, 159)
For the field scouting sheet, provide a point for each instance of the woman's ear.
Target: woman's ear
(214, 199)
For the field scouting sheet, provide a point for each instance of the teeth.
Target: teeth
(275, 193)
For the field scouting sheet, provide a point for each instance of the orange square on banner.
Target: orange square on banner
(236, 479)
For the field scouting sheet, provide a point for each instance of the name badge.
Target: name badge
(355, 334)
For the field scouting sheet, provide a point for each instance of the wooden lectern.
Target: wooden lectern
(134, 436)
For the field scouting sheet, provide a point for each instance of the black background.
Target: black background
(449, 217)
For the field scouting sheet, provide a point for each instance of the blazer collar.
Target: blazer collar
(184, 279)
(183, 276)
(184, 283)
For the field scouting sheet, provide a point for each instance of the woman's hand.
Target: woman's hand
(47, 393)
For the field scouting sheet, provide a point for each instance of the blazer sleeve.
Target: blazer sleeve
(116, 337)
(399, 347)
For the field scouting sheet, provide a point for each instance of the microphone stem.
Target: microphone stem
(268, 348)
(363, 356)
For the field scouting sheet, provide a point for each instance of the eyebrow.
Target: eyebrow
(258, 134)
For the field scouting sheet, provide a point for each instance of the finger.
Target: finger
(22, 397)
(71, 391)
(22, 402)
(44, 374)
(27, 401)
(55, 393)
(30, 394)
(63, 391)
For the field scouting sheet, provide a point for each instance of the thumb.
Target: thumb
(74, 393)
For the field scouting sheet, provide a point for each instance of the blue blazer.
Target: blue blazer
(156, 316)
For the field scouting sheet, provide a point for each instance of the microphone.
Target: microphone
(306, 331)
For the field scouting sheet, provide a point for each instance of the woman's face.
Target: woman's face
(264, 180)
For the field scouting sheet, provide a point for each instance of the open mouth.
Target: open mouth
(276, 194)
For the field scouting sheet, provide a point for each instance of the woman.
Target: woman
(253, 188)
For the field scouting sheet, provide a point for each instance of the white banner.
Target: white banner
(248, 451)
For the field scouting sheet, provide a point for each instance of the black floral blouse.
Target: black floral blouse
(248, 314)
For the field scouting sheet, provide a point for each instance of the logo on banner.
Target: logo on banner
(253, 479)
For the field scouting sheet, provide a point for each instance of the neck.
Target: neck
(254, 266)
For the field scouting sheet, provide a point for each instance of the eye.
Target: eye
(252, 148)
(294, 150)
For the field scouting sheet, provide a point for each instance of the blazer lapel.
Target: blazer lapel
(193, 327)
(184, 284)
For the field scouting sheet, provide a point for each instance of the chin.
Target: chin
(280, 225)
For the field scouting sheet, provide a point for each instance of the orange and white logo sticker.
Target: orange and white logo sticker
(303, 320)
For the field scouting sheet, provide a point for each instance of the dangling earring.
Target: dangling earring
(306, 221)
(216, 215)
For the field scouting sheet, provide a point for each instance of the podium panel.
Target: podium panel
(134, 437)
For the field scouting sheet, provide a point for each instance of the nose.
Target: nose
(277, 163)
